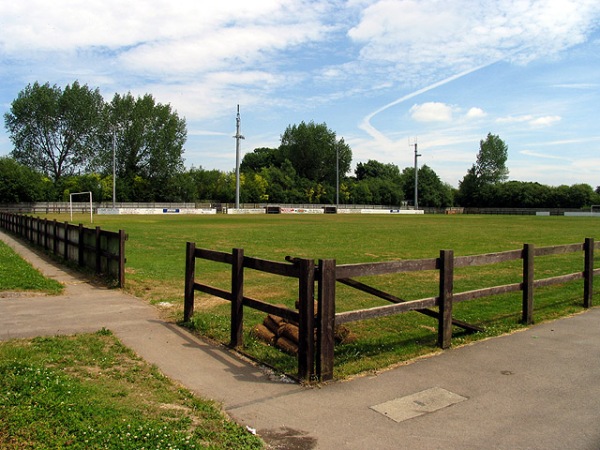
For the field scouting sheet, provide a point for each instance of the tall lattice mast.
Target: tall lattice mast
(237, 137)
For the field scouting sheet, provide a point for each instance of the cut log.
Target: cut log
(264, 334)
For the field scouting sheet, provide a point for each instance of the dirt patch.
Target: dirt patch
(288, 439)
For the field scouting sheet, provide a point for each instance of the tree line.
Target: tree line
(71, 140)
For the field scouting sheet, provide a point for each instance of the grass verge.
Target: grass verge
(18, 275)
(89, 391)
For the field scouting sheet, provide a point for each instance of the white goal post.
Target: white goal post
(71, 204)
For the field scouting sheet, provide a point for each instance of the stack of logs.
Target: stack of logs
(284, 334)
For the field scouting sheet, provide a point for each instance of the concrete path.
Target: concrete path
(536, 389)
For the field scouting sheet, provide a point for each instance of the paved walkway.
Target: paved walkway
(536, 389)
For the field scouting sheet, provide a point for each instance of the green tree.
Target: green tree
(432, 191)
(490, 169)
(360, 193)
(313, 149)
(261, 158)
(581, 195)
(19, 183)
(96, 184)
(253, 188)
(282, 184)
(149, 146)
(55, 131)
(376, 169)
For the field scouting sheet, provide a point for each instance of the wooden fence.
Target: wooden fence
(316, 357)
(96, 249)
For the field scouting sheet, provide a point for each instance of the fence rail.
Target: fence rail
(316, 357)
(96, 249)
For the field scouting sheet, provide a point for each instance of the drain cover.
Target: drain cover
(415, 405)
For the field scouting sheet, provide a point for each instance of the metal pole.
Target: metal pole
(416, 179)
(114, 197)
(237, 137)
(337, 177)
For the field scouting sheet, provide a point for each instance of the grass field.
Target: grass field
(155, 270)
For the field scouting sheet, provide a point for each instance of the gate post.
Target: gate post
(446, 291)
(237, 297)
(528, 276)
(588, 273)
(306, 326)
(326, 319)
(190, 271)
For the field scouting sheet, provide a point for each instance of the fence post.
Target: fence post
(67, 241)
(588, 273)
(54, 238)
(122, 259)
(326, 319)
(190, 272)
(237, 297)
(528, 277)
(46, 234)
(98, 251)
(30, 234)
(38, 226)
(446, 291)
(306, 326)
(80, 246)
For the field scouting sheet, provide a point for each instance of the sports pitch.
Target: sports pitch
(155, 255)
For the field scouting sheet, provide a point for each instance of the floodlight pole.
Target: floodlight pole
(416, 178)
(337, 176)
(237, 137)
(114, 196)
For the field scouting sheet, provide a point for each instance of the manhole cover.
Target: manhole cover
(415, 405)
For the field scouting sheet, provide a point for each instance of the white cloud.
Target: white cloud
(543, 155)
(431, 112)
(433, 36)
(160, 37)
(515, 119)
(543, 121)
(475, 113)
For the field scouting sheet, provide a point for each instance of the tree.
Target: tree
(489, 170)
(432, 191)
(376, 169)
(19, 183)
(313, 149)
(149, 146)
(261, 158)
(55, 131)
(490, 167)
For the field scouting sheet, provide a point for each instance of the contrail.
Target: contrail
(375, 133)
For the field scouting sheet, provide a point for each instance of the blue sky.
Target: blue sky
(380, 73)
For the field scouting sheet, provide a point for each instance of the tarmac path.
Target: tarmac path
(535, 389)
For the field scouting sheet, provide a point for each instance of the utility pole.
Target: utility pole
(114, 180)
(237, 137)
(416, 177)
(337, 177)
